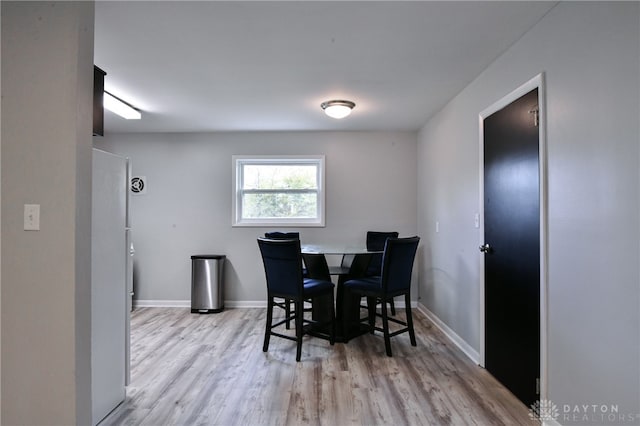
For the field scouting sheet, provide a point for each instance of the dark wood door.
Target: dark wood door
(512, 246)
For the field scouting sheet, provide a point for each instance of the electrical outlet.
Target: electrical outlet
(32, 217)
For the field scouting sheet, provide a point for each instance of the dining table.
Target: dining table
(347, 310)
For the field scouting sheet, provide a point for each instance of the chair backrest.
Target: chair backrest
(375, 242)
(282, 266)
(397, 263)
(277, 235)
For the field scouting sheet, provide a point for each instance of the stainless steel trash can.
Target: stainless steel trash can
(207, 283)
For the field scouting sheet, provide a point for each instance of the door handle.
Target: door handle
(486, 248)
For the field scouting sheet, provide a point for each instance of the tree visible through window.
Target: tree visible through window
(285, 191)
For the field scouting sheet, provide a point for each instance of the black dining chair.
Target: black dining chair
(395, 280)
(375, 242)
(279, 235)
(283, 271)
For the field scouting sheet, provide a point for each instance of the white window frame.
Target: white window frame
(240, 160)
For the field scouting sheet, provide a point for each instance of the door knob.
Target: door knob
(486, 248)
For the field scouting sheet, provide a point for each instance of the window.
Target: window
(286, 191)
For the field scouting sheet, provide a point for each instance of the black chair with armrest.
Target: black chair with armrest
(395, 280)
(283, 271)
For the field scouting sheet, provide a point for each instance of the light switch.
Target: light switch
(477, 220)
(32, 217)
(437, 226)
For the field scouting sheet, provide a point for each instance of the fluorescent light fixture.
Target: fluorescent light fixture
(337, 109)
(120, 107)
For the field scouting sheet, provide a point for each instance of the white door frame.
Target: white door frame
(537, 82)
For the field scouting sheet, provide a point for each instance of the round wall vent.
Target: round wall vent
(138, 185)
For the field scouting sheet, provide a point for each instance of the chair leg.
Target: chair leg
(385, 328)
(287, 310)
(393, 307)
(371, 310)
(299, 306)
(267, 332)
(412, 335)
(332, 335)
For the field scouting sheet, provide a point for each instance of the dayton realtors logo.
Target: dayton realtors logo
(546, 411)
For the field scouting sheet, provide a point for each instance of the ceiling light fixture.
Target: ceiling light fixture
(120, 107)
(337, 109)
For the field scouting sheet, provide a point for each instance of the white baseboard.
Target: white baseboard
(550, 423)
(227, 304)
(245, 304)
(187, 304)
(402, 305)
(162, 303)
(451, 335)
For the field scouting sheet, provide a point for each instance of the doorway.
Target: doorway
(513, 241)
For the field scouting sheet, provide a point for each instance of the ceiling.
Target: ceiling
(209, 66)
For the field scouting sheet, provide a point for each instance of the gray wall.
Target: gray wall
(590, 54)
(47, 90)
(370, 185)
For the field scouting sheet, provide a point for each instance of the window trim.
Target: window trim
(236, 203)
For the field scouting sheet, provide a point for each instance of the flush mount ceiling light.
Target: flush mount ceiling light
(337, 109)
(120, 107)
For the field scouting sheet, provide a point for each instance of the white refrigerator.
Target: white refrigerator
(111, 278)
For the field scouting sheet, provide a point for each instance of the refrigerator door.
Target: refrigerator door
(108, 283)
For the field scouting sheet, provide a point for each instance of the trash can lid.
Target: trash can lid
(208, 256)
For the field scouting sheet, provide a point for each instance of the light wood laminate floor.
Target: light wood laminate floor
(190, 369)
